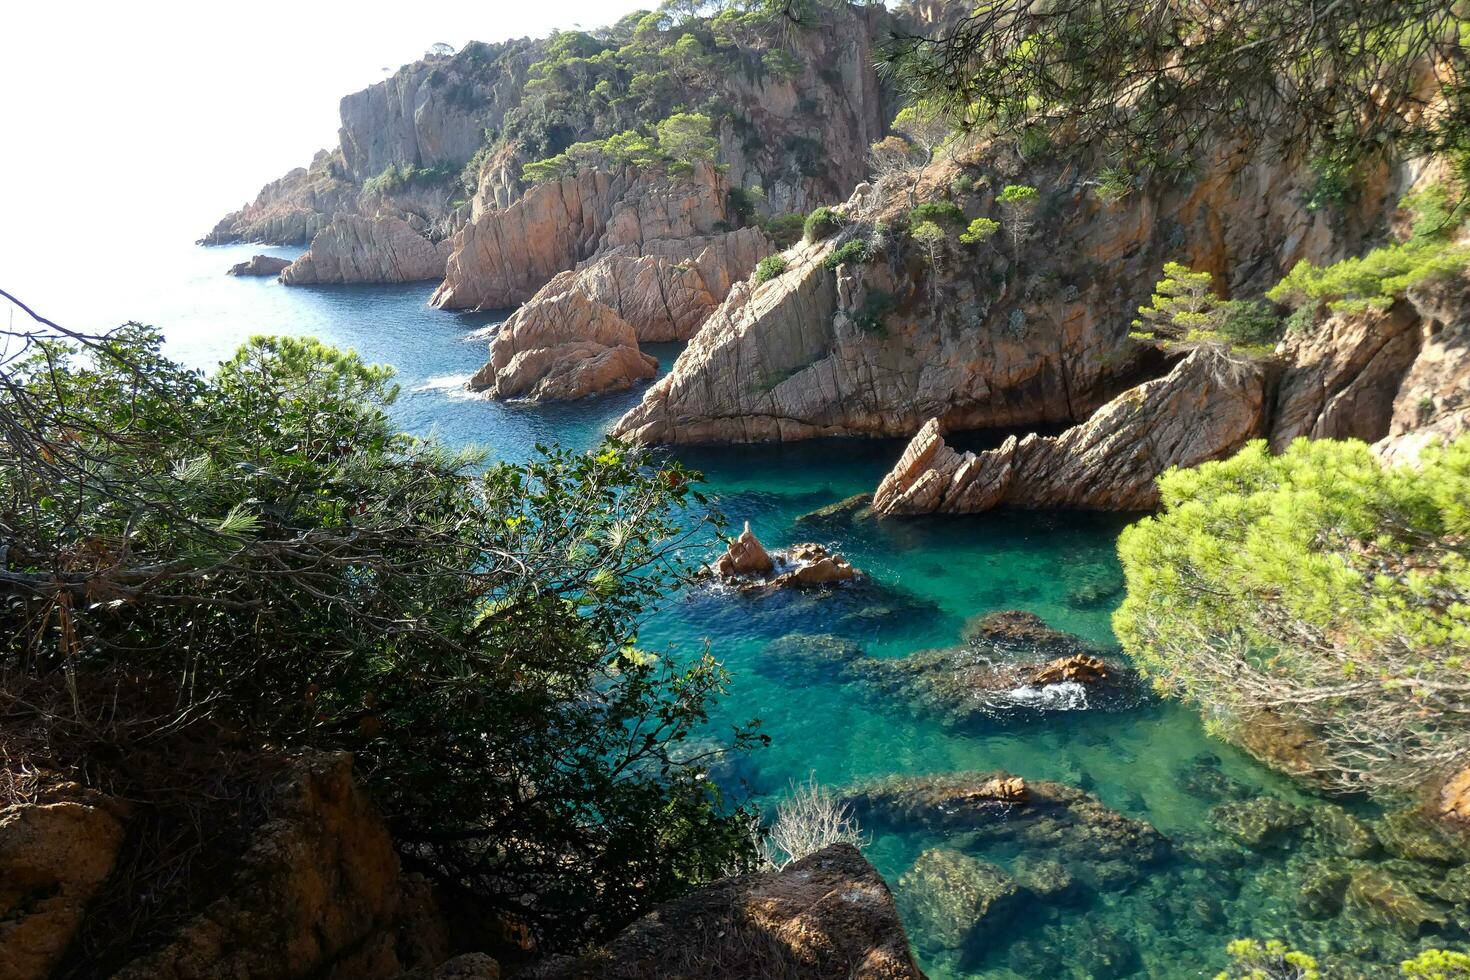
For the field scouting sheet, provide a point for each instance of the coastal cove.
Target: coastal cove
(1148, 760)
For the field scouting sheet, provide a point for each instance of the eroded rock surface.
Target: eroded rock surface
(260, 265)
(506, 255)
(1207, 407)
(357, 249)
(826, 917)
(747, 565)
(55, 854)
(318, 893)
(562, 349)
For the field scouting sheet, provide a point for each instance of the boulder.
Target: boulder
(1454, 797)
(746, 556)
(747, 565)
(1206, 408)
(1263, 823)
(317, 893)
(956, 900)
(1080, 669)
(562, 349)
(1101, 846)
(260, 265)
(55, 853)
(354, 249)
(1432, 403)
(826, 917)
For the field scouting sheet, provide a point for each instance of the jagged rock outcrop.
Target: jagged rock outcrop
(260, 265)
(505, 256)
(1433, 400)
(662, 294)
(289, 211)
(357, 249)
(562, 349)
(829, 916)
(987, 338)
(1207, 407)
(747, 565)
(318, 894)
(55, 853)
(1343, 376)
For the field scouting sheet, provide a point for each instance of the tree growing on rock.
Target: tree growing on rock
(1185, 310)
(1318, 594)
(686, 138)
(1018, 204)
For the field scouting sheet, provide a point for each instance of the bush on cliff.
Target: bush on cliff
(1318, 589)
(259, 550)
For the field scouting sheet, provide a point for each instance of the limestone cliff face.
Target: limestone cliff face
(1207, 407)
(503, 257)
(991, 336)
(434, 111)
(357, 249)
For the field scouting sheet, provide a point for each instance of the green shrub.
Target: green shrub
(1438, 964)
(873, 315)
(1280, 582)
(820, 224)
(325, 581)
(769, 268)
(785, 230)
(1373, 281)
(981, 230)
(939, 212)
(854, 252)
(743, 202)
(1184, 308)
(1113, 184)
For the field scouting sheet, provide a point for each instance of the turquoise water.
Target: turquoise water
(1153, 915)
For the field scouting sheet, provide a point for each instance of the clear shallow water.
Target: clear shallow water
(927, 577)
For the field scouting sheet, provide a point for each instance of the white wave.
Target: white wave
(450, 386)
(1064, 696)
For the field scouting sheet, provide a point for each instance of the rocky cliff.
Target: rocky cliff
(579, 334)
(356, 249)
(799, 136)
(1020, 333)
(1207, 407)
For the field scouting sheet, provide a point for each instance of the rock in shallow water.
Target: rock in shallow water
(747, 565)
(956, 900)
(260, 265)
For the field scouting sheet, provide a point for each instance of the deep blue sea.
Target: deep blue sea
(926, 578)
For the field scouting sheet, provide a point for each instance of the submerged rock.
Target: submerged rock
(1417, 836)
(1454, 797)
(1104, 847)
(1206, 408)
(259, 265)
(1379, 899)
(804, 658)
(957, 900)
(826, 917)
(839, 516)
(1263, 823)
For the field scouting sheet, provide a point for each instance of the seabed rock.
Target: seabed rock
(1263, 823)
(839, 516)
(803, 658)
(958, 900)
(1383, 900)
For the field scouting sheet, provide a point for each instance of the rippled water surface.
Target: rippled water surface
(1130, 913)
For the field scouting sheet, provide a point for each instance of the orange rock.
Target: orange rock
(1080, 668)
(1454, 797)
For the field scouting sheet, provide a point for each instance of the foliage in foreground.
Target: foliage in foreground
(1319, 586)
(261, 548)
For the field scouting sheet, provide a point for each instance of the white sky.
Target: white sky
(146, 121)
